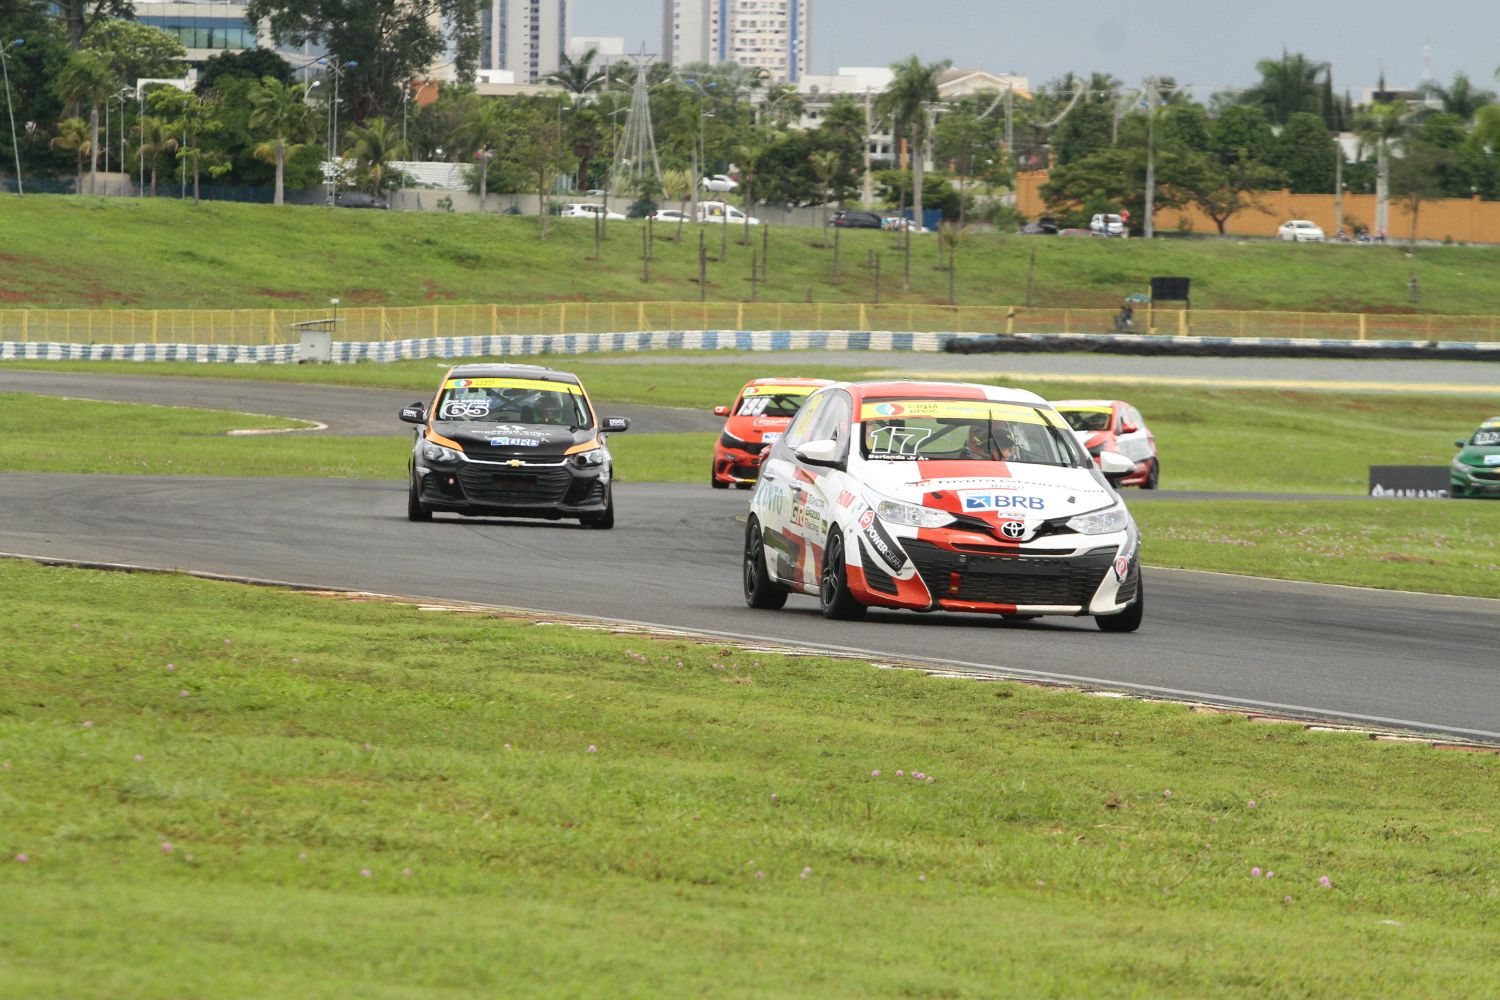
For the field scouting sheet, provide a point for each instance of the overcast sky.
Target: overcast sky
(1203, 42)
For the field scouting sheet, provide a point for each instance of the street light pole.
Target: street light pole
(15, 144)
(1148, 228)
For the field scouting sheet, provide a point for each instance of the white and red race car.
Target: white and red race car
(941, 496)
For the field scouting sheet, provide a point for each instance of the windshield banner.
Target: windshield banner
(960, 409)
(512, 383)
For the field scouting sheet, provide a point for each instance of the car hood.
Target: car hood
(755, 429)
(529, 442)
(992, 491)
(1482, 456)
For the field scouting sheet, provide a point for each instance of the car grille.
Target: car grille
(750, 447)
(1491, 475)
(1011, 579)
(521, 487)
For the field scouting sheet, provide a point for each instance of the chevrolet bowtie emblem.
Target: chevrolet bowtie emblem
(515, 462)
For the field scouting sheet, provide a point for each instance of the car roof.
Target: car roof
(792, 380)
(908, 388)
(511, 371)
(1078, 404)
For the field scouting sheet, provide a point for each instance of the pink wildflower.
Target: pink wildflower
(1255, 872)
(875, 773)
(21, 859)
(1166, 793)
(364, 873)
(166, 847)
(1325, 881)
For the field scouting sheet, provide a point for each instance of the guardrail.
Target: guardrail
(254, 327)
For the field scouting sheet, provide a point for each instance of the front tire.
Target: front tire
(1128, 620)
(760, 590)
(605, 519)
(1153, 479)
(713, 480)
(833, 585)
(416, 510)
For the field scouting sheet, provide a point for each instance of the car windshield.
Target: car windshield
(772, 400)
(1488, 435)
(910, 430)
(1087, 420)
(513, 401)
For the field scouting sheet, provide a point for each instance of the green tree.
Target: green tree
(375, 145)
(89, 79)
(1287, 86)
(391, 42)
(912, 91)
(154, 139)
(542, 153)
(1306, 154)
(484, 129)
(1241, 134)
(251, 64)
(1462, 98)
(192, 118)
(280, 112)
(578, 77)
(73, 135)
(1085, 124)
(135, 51)
(1382, 127)
(81, 15)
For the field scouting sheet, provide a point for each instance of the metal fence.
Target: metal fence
(274, 326)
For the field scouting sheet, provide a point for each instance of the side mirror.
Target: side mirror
(1128, 428)
(1459, 443)
(616, 425)
(416, 413)
(824, 452)
(1112, 463)
(721, 411)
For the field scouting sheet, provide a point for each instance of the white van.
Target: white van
(723, 212)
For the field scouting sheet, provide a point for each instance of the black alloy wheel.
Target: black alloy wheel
(833, 584)
(416, 510)
(1128, 620)
(760, 590)
(605, 519)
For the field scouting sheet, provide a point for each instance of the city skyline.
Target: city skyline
(1207, 48)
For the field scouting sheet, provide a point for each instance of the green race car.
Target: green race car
(1476, 468)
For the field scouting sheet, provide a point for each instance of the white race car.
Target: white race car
(941, 496)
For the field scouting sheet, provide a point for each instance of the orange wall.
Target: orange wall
(1466, 220)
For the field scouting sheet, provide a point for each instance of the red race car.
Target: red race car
(757, 418)
(1114, 425)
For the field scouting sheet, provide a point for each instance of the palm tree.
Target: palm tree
(154, 138)
(376, 143)
(484, 127)
(73, 134)
(906, 100)
(578, 77)
(1383, 126)
(89, 77)
(825, 164)
(280, 108)
(1462, 98)
(1287, 85)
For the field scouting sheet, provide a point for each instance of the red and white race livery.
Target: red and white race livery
(941, 496)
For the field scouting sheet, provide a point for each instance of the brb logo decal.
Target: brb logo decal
(976, 500)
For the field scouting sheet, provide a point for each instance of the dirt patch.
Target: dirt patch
(272, 293)
(430, 291)
(365, 297)
(6, 295)
(1390, 310)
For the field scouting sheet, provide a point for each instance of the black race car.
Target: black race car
(511, 441)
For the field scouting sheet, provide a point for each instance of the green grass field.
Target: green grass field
(77, 252)
(216, 790)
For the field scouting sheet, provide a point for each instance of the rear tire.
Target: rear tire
(416, 510)
(833, 585)
(1153, 479)
(1128, 620)
(605, 519)
(760, 590)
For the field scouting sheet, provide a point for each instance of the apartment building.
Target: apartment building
(772, 35)
(523, 37)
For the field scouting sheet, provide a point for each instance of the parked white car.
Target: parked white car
(671, 215)
(721, 183)
(586, 210)
(1108, 225)
(1300, 231)
(719, 211)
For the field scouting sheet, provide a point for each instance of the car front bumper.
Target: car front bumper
(530, 489)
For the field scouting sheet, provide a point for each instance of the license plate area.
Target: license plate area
(515, 481)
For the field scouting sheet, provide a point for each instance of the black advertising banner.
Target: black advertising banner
(1409, 482)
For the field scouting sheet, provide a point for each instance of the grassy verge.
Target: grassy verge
(165, 254)
(246, 791)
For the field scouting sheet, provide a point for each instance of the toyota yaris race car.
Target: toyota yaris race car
(1475, 470)
(941, 496)
(511, 441)
(758, 417)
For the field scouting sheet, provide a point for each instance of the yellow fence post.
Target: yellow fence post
(739, 316)
(1182, 322)
(25, 325)
(1361, 326)
(640, 316)
(562, 318)
(864, 319)
(153, 325)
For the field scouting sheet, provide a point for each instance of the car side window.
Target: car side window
(800, 430)
(833, 422)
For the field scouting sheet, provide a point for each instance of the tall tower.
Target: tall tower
(523, 36)
(771, 35)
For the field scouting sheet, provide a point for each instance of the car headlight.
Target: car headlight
(1101, 522)
(437, 453)
(896, 512)
(589, 459)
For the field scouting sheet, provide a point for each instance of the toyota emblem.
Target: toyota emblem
(1013, 529)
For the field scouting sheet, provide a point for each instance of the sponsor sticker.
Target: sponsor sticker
(1122, 567)
(780, 390)
(465, 409)
(984, 500)
(846, 499)
(1492, 460)
(880, 543)
(1487, 437)
(971, 409)
(771, 437)
(510, 442)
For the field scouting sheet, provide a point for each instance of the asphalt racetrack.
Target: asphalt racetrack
(1388, 659)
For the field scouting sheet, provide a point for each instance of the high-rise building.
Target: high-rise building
(772, 35)
(524, 37)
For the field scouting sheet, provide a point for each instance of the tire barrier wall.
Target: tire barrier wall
(346, 352)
